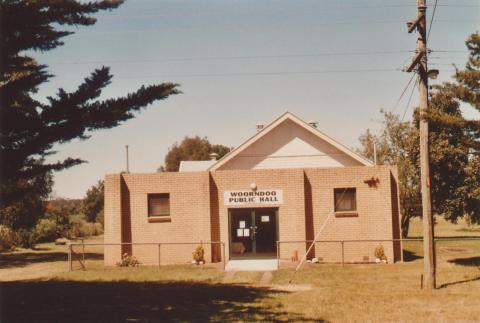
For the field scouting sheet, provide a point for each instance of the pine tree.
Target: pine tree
(29, 128)
(454, 148)
(466, 132)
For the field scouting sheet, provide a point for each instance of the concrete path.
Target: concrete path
(266, 278)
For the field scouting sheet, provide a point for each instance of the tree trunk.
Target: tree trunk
(405, 224)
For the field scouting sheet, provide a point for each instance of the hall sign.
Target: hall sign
(253, 197)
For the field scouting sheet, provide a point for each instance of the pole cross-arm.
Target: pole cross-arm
(415, 24)
(415, 61)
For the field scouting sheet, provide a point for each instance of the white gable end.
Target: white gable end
(290, 145)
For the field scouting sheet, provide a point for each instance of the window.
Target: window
(159, 204)
(345, 200)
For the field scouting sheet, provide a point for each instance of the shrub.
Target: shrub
(46, 230)
(128, 261)
(79, 227)
(101, 217)
(25, 238)
(97, 228)
(7, 239)
(198, 254)
(380, 253)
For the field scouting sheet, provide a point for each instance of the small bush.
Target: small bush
(380, 253)
(25, 238)
(46, 230)
(7, 239)
(128, 261)
(79, 227)
(198, 254)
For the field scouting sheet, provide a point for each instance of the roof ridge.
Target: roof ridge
(277, 121)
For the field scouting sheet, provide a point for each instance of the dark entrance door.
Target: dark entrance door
(253, 233)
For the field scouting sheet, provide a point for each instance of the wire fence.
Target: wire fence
(338, 251)
(463, 251)
(82, 256)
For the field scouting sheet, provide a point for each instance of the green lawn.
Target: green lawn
(445, 229)
(195, 293)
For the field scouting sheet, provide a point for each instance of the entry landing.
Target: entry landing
(252, 265)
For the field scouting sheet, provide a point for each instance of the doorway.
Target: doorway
(253, 233)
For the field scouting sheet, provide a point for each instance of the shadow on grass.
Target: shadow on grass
(459, 282)
(66, 301)
(471, 262)
(440, 238)
(410, 256)
(468, 230)
(23, 259)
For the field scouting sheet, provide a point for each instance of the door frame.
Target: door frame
(253, 215)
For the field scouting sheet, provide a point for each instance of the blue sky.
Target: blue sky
(242, 62)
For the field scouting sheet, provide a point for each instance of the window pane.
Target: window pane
(158, 204)
(345, 199)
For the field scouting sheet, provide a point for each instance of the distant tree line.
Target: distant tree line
(60, 218)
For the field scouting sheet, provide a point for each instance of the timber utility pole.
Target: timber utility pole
(419, 63)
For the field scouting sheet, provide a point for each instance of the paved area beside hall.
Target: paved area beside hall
(252, 265)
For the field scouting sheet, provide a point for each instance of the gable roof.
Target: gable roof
(284, 117)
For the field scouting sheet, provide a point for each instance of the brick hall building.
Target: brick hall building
(289, 183)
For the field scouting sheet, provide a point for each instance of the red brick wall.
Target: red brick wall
(374, 209)
(198, 212)
(189, 220)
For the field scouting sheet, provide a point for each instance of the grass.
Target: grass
(198, 293)
(182, 273)
(445, 229)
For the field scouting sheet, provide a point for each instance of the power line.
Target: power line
(186, 15)
(372, 70)
(431, 20)
(337, 23)
(246, 57)
(343, 6)
(403, 93)
(250, 57)
(447, 57)
(445, 64)
(409, 99)
(450, 51)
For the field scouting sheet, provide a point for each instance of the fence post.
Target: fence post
(343, 254)
(159, 255)
(69, 257)
(278, 254)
